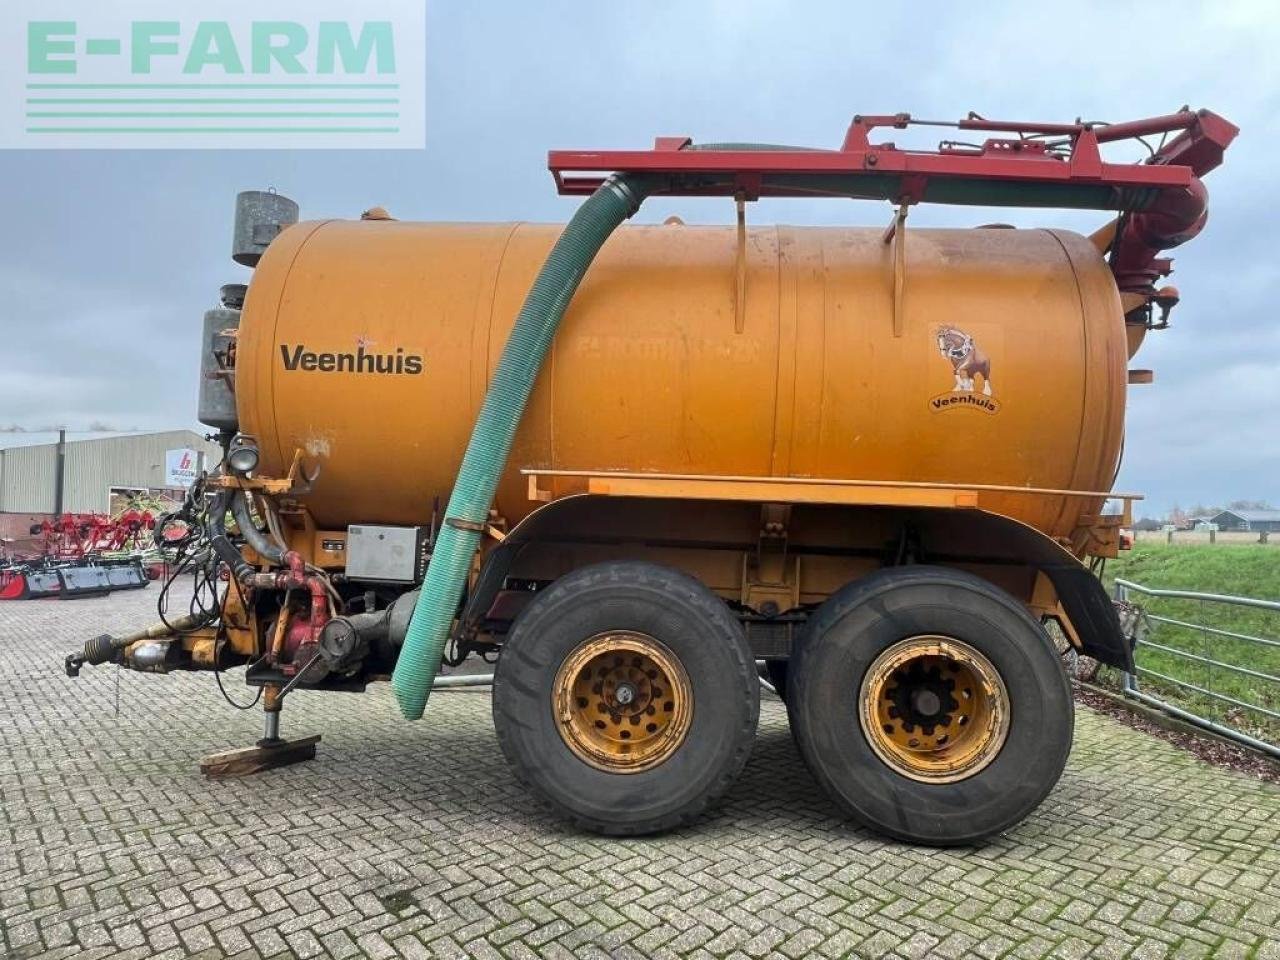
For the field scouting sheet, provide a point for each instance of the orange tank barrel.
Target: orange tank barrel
(369, 346)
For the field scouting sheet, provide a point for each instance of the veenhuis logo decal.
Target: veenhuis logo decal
(276, 74)
(970, 366)
(300, 357)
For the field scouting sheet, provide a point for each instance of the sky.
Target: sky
(108, 259)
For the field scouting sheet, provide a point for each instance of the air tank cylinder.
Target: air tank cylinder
(217, 404)
(260, 216)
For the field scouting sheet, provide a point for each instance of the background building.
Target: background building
(1257, 521)
(40, 477)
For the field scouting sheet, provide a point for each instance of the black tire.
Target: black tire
(697, 628)
(841, 642)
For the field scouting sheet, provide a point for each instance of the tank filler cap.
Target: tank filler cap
(376, 213)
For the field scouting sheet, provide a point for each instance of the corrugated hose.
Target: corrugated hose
(468, 511)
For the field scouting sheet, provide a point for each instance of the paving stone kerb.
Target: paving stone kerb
(414, 839)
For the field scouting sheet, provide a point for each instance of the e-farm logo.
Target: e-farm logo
(277, 74)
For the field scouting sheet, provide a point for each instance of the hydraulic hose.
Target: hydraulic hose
(262, 545)
(613, 202)
(216, 532)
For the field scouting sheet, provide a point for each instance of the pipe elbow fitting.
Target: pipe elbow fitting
(1176, 217)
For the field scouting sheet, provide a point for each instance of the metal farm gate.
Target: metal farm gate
(1224, 680)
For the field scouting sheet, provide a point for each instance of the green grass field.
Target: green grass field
(1240, 570)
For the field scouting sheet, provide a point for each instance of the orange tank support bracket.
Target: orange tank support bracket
(298, 481)
(548, 485)
(1098, 535)
(770, 491)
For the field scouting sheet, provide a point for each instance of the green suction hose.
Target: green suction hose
(616, 200)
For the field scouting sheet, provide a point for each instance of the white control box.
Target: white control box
(387, 554)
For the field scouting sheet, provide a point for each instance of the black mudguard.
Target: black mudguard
(1093, 615)
(492, 576)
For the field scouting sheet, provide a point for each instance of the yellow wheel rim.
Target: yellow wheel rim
(622, 702)
(934, 709)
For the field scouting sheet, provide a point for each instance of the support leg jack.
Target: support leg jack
(268, 753)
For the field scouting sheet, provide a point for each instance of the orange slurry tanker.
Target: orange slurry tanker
(631, 462)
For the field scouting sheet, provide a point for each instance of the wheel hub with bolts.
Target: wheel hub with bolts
(934, 709)
(622, 702)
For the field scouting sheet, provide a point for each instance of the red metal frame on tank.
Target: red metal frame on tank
(1046, 164)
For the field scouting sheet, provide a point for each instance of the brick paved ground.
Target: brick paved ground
(413, 839)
